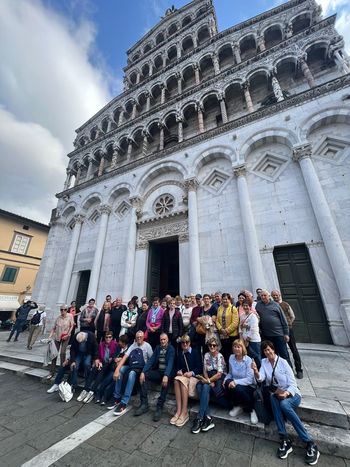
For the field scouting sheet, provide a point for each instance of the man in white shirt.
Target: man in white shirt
(37, 326)
(137, 356)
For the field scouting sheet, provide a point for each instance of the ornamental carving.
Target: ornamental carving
(164, 205)
(302, 151)
(161, 229)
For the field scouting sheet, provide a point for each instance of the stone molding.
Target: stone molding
(105, 209)
(206, 48)
(240, 171)
(79, 218)
(161, 228)
(191, 184)
(292, 101)
(301, 152)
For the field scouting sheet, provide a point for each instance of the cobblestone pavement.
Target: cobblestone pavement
(31, 421)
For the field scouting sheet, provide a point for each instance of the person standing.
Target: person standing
(227, 324)
(154, 322)
(102, 321)
(61, 333)
(273, 324)
(116, 315)
(21, 318)
(88, 315)
(37, 326)
(172, 324)
(128, 322)
(290, 317)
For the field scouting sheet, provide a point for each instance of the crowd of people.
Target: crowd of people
(209, 347)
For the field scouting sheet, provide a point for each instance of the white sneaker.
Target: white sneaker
(235, 411)
(82, 395)
(53, 388)
(253, 417)
(89, 397)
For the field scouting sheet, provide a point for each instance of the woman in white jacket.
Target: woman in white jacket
(128, 322)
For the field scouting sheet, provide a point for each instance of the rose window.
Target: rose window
(164, 204)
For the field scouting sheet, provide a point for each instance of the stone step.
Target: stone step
(13, 367)
(21, 358)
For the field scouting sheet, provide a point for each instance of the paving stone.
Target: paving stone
(176, 457)
(296, 459)
(324, 411)
(137, 458)
(215, 439)
(204, 458)
(131, 440)
(82, 455)
(159, 440)
(18, 456)
(238, 441)
(264, 453)
(184, 438)
(229, 457)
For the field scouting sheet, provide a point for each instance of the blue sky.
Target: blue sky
(60, 62)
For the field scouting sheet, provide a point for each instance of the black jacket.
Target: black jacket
(114, 323)
(177, 329)
(194, 362)
(91, 347)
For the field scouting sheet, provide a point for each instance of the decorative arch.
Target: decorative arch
(256, 71)
(212, 92)
(279, 135)
(69, 210)
(90, 200)
(158, 169)
(318, 119)
(211, 154)
(120, 189)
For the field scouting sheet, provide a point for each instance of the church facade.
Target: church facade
(224, 164)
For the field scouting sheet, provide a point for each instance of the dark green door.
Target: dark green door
(299, 288)
(163, 269)
(83, 288)
(153, 270)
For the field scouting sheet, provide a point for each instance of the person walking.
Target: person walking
(37, 326)
(21, 318)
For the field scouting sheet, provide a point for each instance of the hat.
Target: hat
(198, 295)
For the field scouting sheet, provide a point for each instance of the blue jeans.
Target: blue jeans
(204, 395)
(86, 361)
(254, 351)
(18, 328)
(286, 408)
(129, 385)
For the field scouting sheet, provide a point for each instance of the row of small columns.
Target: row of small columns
(327, 227)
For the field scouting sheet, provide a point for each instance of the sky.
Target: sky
(60, 62)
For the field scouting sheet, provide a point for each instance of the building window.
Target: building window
(164, 204)
(9, 274)
(20, 244)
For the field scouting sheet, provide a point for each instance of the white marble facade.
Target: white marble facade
(279, 176)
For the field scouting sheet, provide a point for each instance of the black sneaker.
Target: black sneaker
(300, 374)
(157, 414)
(114, 405)
(312, 453)
(141, 410)
(119, 409)
(197, 425)
(285, 449)
(208, 424)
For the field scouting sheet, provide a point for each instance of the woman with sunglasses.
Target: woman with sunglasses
(61, 333)
(189, 364)
(285, 397)
(209, 386)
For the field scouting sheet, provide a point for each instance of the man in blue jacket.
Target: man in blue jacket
(159, 369)
(21, 318)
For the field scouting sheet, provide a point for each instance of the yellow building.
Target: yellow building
(22, 243)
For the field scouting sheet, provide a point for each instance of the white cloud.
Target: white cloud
(342, 26)
(331, 5)
(48, 86)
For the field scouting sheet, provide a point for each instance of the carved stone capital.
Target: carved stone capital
(183, 238)
(179, 118)
(191, 184)
(105, 209)
(142, 245)
(302, 151)
(137, 202)
(79, 218)
(240, 171)
(245, 85)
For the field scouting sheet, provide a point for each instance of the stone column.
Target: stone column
(195, 42)
(161, 136)
(328, 229)
(115, 156)
(306, 71)
(109, 123)
(162, 96)
(130, 249)
(223, 108)
(150, 72)
(148, 101)
(200, 118)
(78, 174)
(102, 165)
(67, 273)
(145, 142)
(105, 211)
(195, 266)
(68, 179)
(164, 60)
(277, 90)
(180, 132)
(121, 118)
(196, 73)
(247, 97)
(261, 43)
(90, 166)
(128, 154)
(251, 239)
(341, 62)
(134, 110)
(178, 50)
(236, 53)
(216, 63)
(179, 83)
(138, 77)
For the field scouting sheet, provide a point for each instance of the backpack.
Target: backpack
(65, 391)
(136, 360)
(36, 318)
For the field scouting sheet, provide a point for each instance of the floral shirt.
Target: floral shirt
(216, 363)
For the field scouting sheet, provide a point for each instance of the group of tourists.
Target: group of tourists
(209, 347)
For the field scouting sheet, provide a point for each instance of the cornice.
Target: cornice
(287, 103)
(214, 39)
(207, 83)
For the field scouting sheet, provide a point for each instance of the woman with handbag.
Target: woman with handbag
(239, 382)
(249, 332)
(227, 324)
(189, 364)
(285, 397)
(209, 386)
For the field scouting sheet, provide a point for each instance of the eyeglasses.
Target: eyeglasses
(64, 309)
(185, 342)
(108, 337)
(212, 345)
